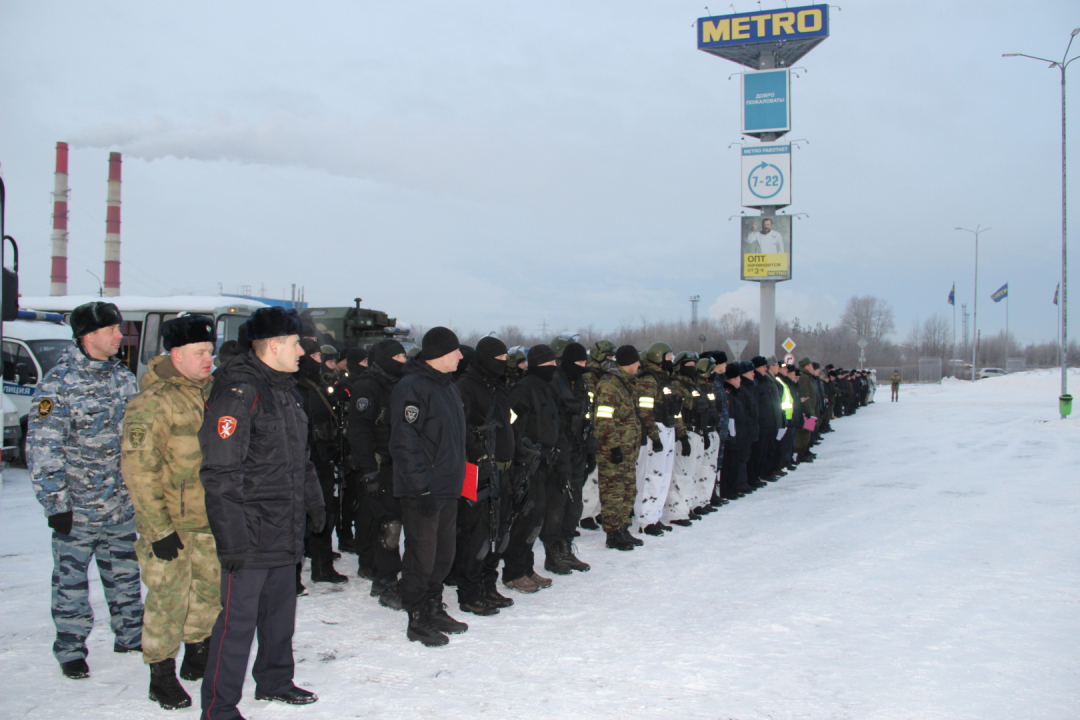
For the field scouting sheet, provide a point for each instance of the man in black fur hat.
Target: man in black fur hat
(261, 489)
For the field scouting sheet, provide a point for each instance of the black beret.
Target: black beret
(272, 322)
(187, 329)
(92, 316)
(626, 356)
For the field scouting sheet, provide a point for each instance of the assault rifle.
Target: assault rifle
(486, 434)
(522, 477)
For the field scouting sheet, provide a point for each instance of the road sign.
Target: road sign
(701, 338)
(766, 175)
(788, 345)
(862, 343)
(736, 347)
(789, 359)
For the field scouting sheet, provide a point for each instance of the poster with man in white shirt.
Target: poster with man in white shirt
(766, 248)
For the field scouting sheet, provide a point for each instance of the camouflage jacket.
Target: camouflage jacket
(160, 455)
(616, 419)
(73, 439)
(657, 400)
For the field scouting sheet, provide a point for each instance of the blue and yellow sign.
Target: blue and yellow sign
(797, 30)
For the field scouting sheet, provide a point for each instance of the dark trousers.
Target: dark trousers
(430, 544)
(320, 545)
(473, 544)
(519, 552)
(569, 499)
(383, 512)
(753, 464)
(490, 572)
(787, 445)
(261, 602)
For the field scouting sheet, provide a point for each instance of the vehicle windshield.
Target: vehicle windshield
(47, 352)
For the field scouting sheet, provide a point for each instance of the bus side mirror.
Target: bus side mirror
(11, 295)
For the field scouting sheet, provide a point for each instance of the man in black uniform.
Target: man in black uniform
(737, 447)
(261, 487)
(323, 444)
(378, 529)
(536, 429)
(489, 444)
(564, 503)
(427, 450)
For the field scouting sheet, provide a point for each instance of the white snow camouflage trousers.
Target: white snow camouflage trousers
(654, 479)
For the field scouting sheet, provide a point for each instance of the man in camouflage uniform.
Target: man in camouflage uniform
(620, 434)
(73, 444)
(678, 508)
(600, 361)
(658, 406)
(160, 463)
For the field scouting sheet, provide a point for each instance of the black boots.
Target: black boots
(615, 541)
(165, 689)
(554, 560)
(429, 623)
(572, 561)
(75, 669)
(388, 593)
(322, 570)
(195, 655)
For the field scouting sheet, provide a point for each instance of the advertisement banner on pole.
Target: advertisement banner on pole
(765, 250)
(766, 175)
(766, 105)
(787, 33)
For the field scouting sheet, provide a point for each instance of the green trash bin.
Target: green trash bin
(1066, 405)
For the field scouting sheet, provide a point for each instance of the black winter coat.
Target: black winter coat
(369, 420)
(484, 395)
(748, 393)
(322, 424)
(427, 433)
(259, 480)
(737, 398)
(537, 409)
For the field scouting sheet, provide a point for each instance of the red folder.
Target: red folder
(468, 490)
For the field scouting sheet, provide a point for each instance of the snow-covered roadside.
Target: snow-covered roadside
(926, 566)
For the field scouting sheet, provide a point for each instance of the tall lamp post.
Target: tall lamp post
(1062, 65)
(975, 310)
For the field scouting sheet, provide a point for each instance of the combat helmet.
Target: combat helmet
(657, 352)
(514, 357)
(705, 367)
(602, 350)
(684, 357)
(559, 344)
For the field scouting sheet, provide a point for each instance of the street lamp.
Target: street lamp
(975, 310)
(1064, 254)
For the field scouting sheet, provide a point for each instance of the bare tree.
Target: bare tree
(935, 337)
(868, 317)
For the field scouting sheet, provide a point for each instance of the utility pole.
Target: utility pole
(694, 300)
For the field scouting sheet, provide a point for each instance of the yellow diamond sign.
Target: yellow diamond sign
(788, 345)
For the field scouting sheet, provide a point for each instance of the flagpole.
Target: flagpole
(1006, 332)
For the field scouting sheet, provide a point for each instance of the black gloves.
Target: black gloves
(616, 455)
(657, 445)
(371, 484)
(708, 442)
(317, 518)
(232, 564)
(61, 522)
(425, 504)
(167, 548)
(685, 446)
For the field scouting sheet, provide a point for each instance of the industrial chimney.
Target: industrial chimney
(112, 229)
(58, 285)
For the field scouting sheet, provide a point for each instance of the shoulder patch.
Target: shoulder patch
(45, 407)
(226, 426)
(412, 412)
(136, 434)
(362, 404)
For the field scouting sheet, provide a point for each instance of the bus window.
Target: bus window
(10, 349)
(228, 327)
(151, 341)
(129, 344)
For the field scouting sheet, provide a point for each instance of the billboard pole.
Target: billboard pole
(767, 309)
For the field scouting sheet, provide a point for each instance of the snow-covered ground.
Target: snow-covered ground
(926, 566)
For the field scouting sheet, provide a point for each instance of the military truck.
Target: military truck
(355, 326)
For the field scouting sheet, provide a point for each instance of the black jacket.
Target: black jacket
(742, 441)
(322, 420)
(427, 433)
(537, 409)
(748, 392)
(258, 478)
(369, 420)
(573, 403)
(770, 415)
(485, 396)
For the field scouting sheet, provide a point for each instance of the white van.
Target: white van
(143, 317)
(30, 349)
(13, 434)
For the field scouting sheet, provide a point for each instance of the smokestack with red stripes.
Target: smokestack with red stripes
(58, 284)
(112, 229)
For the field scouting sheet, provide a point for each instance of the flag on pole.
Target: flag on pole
(952, 295)
(1001, 294)
(1057, 291)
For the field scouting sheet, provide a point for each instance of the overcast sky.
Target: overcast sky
(494, 163)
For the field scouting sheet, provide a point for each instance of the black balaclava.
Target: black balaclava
(383, 356)
(544, 372)
(487, 350)
(666, 366)
(572, 354)
(689, 370)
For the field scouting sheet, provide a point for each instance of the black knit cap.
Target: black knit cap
(574, 352)
(490, 347)
(272, 322)
(355, 356)
(92, 316)
(540, 354)
(383, 355)
(626, 356)
(437, 342)
(759, 361)
(186, 330)
(309, 346)
(732, 371)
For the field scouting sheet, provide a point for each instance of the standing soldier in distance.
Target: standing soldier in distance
(260, 489)
(895, 382)
(73, 444)
(600, 361)
(620, 434)
(659, 407)
(160, 464)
